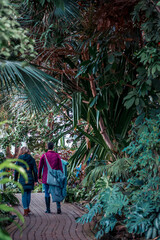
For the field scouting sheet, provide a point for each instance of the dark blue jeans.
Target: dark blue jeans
(46, 187)
(26, 199)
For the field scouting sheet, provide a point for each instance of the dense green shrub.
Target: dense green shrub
(14, 40)
(143, 186)
(135, 204)
(7, 196)
(79, 193)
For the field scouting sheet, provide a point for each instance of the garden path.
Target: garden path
(41, 226)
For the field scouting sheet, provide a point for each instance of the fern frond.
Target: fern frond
(92, 211)
(94, 174)
(119, 170)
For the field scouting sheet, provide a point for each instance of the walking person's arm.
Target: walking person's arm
(41, 163)
(35, 170)
(16, 174)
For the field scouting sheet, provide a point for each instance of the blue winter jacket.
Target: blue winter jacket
(32, 172)
(58, 188)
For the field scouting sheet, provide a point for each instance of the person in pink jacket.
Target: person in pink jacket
(55, 163)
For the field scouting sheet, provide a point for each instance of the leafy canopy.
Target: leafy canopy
(14, 41)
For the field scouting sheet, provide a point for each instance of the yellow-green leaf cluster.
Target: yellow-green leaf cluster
(14, 41)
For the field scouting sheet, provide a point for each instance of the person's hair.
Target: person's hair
(50, 145)
(23, 150)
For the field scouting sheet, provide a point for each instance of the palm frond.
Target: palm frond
(94, 171)
(20, 102)
(77, 157)
(68, 9)
(63, 12)
(40, 88)
(117, 171)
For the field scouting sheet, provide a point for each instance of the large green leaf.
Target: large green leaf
(4, 235)
(77, 157)
(4, 207)
(92, 137)
(8, 164)
(40, 88)
(76, 107)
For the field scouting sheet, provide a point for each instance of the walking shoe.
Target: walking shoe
(25, 212)
(58, 211)
(28, 210)
(47, 200)
(47, 211)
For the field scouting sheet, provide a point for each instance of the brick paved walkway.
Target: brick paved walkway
(42, 226)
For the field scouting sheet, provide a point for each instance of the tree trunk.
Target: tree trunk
(8, 152)
(16, 151)
(101, 122)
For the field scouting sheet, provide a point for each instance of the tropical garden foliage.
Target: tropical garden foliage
(97, 62)
(7, 198)
(135, 203)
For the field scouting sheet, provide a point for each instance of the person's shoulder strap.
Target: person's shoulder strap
(47, 161)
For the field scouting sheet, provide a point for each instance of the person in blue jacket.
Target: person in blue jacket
(32, 177)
